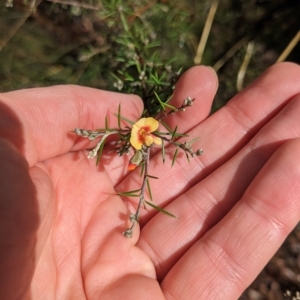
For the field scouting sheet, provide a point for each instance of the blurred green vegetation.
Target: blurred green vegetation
(60, 44)
(44, 43)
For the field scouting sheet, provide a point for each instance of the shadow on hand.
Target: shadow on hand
(19, 218)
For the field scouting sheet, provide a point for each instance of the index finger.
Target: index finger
(37, 121)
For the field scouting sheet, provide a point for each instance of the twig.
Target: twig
(244, 66)
(205, 32)
(186, 146)
(236, 47)
(289, 47)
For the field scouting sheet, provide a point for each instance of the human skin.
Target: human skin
(61, 220)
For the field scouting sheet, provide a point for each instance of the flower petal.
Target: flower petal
(151, 123)
(156, 140)
(148, 139)
(135, 143)
(140, 123)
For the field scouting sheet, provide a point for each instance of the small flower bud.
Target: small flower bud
(142, 76)
(132, 218)
(128, 233)
(119, 85)
(199, 152)
(77, 131)
(85, 133)
(92, 153)
(135, 160)
(188, 101)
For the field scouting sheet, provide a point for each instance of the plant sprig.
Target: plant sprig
(141, 71)
(140, 138)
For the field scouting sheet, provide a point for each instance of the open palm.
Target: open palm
(61, 220)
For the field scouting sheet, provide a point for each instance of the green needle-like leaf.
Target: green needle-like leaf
(130, 193)
(174, 133)
(194, 140)
(155, 79)
(160, 102)
(99, 153)
(153, 44)
(124, 22)
(118, 115)
(115, 76)
(153, 177)
(170, 97)
(163, 104)
(170, 106)
(163, 151)
(177, 134)
(149, 189)
(125, 119)
(167, 127)
(174, 157)
(160, 209)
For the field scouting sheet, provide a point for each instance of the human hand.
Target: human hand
(61, 220)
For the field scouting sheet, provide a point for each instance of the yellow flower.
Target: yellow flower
(141, 133)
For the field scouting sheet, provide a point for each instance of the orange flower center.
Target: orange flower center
(143, 133)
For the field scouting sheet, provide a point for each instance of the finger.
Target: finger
(200, 83)
(38, 121)
(230, 255)
(207, 202)
(222, 135)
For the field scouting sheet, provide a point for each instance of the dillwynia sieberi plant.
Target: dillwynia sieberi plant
(141, 71)
(139, 139)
